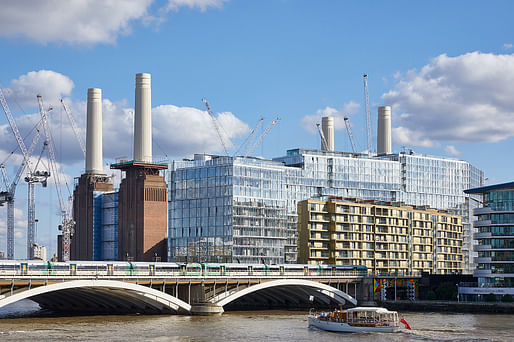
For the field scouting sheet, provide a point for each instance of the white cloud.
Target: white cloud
(309, 121)
(76, 22)
(452, 150)
(461, 99)
(507, 46)
(51, 85)
(85, 22)
(177, 131)
(202, 5)
(184, 130)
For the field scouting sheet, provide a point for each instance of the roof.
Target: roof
(369, 309)
(487, 188)
(127, 164)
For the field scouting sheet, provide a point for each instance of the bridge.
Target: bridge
(155, 288)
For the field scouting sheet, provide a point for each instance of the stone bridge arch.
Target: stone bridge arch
(290, 287)
(94, 296)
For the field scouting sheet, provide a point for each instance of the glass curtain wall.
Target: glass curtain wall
(226, 210)
(230, 209)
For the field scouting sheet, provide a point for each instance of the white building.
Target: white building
(38, 252)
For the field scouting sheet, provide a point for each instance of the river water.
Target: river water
(239, 326)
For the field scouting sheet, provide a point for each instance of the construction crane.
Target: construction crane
(252, 149)
(216, 125)
(74, 127)
(324, 143)
(251, 138)
(32, 179)
(350, 134)
(8, 196)
(68, 225)
(368, 115)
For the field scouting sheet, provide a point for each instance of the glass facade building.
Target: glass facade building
(245, 209)
(407, 178)
(495, 236)
(226, 209)
(109, 236)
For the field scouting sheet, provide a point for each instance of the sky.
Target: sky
(445, 67)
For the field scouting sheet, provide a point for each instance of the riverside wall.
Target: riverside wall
(448, 306)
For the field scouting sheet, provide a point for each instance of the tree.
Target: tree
(431, 295)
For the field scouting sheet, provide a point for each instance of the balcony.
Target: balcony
(484, 235)
(482, 260)
(481, 223)
(481, 211)
(482, 273)
(482, 248)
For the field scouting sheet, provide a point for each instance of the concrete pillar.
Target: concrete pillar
(205, 309)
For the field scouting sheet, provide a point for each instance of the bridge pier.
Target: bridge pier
(206, 309)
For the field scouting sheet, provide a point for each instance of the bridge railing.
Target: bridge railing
(38, 268)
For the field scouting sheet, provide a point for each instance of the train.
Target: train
(171, 269)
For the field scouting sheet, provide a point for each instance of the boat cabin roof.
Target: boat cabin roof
(370, 309)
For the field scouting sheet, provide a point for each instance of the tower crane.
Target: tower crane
(350, 134)
(368, 115)
(74, 127)
(216, 125)
(252, 149)
(8, 196)
(324, 143)
(251, 138)
(32, 179)
(68, 225)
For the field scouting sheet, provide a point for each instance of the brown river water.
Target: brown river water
(20, 322)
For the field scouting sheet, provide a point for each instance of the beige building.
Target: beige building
(385, 237)
(38, 252)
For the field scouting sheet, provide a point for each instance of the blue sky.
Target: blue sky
(446, 67)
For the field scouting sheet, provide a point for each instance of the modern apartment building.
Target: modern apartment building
(407, 177)
(388, 238)
(227, 209)
(247, 206)
(38, 252)
(495, 236)
(244, 209)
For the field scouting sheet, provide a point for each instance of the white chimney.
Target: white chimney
(327, 127)
(384, 130)
(143, 119)
(94, 132)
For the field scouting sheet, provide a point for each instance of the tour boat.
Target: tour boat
(359, 319)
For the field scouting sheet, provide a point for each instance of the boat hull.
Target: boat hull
(315, 322)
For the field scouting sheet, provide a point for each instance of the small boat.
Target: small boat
(359, 319)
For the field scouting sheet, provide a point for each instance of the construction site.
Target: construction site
(228, 207)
